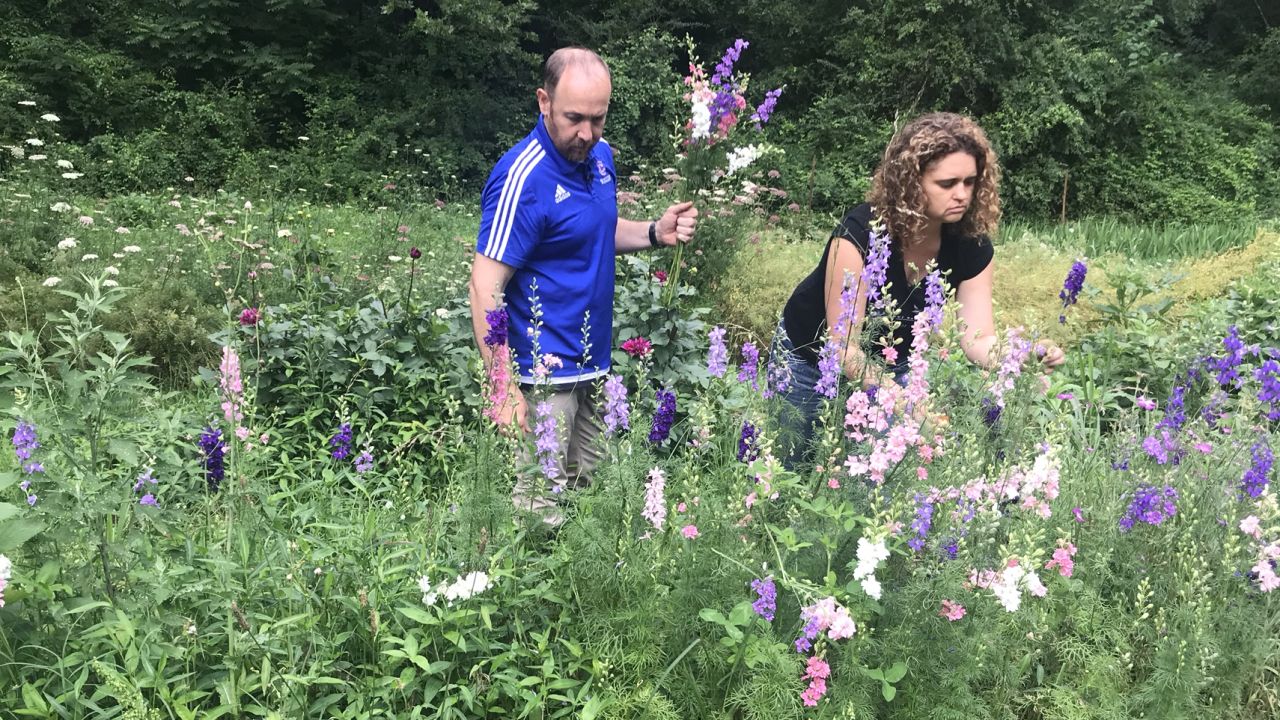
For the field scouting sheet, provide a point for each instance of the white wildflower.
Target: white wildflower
(743, 156)
(72, 176)
(870, 555)
(283, 233)
(394, 258)
(60, 207)
(130, 249)
(86, 220)
(28, 103)
(66, 165)
(50, 117)
(35, 142)
(37, 158)
(16, 151)
(88, 257)
(111, 270)
(442, 313)
(110, 283)
(122, 230)
(701, 117)
(303, 138)
(67, 243)
(189, 179)
(51, 281)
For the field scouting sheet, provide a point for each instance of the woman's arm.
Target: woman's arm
(845, 262)
(978, 324)
(977, 319)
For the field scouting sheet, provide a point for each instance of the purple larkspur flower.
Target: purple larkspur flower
(747, 451)
(766, 603)
(764, 110)
(547, 439)
(922, 522)
(1268, 376)
(1175, 413)
(717, 353)
(750, 367)
(991, 411)
(664, 417)
(341, 442)
(877, 268)
(950, 548)
(25, 441)
(148, 500)
(1071, 287)
(1255, 479)
(213, 448)
(1163, 448)
(777, 378)
(934, 298)
(617, 412)
(829, 369)
(499, 327)
(804, 643)
(1225, 368)
(364, 461)
(1151, 505)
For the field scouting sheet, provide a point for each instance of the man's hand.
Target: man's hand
(513, 414)
(677, 224)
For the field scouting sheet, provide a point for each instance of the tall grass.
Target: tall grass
(1111, 236)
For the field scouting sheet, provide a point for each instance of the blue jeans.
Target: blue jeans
(799, 416)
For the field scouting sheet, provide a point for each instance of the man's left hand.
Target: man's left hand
(677, 224)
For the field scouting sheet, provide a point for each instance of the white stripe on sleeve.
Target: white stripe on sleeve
(509, 200)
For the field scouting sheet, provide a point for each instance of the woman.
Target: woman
(936, 195)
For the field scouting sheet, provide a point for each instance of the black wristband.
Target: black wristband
(653, 234)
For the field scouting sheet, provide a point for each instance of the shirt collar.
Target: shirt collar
(562, 163)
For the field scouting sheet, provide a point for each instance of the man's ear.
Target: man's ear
(544, 101)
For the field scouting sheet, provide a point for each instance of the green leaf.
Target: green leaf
(124, 450)
(7, 510)
(417, 614)
(873, 673)
(896, 673)
(15, 532)
(713, 616)
(7, 479)
(888, 691)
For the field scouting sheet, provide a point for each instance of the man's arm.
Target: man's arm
(675, 226)
(489, 280)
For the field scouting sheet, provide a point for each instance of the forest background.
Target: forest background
(1157, 111)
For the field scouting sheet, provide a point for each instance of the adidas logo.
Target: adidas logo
(561, 194)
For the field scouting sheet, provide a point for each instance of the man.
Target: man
(549, 232)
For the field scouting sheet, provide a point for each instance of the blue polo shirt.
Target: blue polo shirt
(554, 221)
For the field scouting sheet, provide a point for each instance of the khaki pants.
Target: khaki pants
(580, 428)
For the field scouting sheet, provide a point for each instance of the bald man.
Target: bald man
(549, 233)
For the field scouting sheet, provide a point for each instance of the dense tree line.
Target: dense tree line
(1154, 109)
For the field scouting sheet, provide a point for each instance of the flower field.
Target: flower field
(249, 473)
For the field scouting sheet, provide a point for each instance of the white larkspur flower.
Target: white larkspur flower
(429, 593)
(742, 157)
(60, 207)
(701, 117)
(50, 117)
(66, 165)
(51, 281)
(67, 243)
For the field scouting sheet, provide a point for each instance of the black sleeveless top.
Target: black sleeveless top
(960, 258)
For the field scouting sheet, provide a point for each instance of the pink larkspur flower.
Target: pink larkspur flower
(951, 610)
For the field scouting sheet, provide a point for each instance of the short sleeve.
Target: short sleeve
(510, 218)
(974, 255)
(856, 226)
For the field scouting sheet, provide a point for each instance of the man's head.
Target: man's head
(574, 100)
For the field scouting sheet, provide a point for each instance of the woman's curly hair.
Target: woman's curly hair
(897, 192)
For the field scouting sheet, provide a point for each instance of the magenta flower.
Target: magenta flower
(689, 531)
(250, 316)
(637, 347)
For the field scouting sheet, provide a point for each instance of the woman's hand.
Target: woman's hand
(1049, 354)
